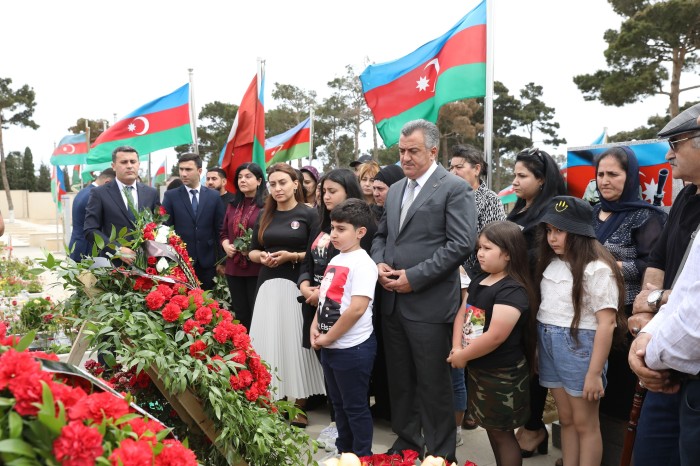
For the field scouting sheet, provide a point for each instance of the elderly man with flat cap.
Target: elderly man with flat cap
(666, 354)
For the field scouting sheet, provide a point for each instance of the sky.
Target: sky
(98, 60)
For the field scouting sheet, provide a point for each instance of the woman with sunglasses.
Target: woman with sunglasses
(537, 180)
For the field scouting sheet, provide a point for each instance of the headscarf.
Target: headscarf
(390, 174)
(628, 202)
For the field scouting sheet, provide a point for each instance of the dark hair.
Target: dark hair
(255, 169)
(510, 239)
(544, 168)
(271, 204)
(190, 156)
(471, 155)
(579, 251)
(221, 171)
(174, 184)
(347, 179)
(123, 149)
(107, 174)
(353, 211)
(618, 153)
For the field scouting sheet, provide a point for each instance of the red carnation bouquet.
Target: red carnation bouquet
(48, 418)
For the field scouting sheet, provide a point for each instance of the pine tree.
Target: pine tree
(43, 182)
(27, 171)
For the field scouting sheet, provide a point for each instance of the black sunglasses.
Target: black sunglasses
(674, 144)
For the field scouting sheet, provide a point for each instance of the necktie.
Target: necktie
(195, 202)
(130, 206)
(410, 192)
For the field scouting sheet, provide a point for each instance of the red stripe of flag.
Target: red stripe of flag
(71, 149)
(465, 47)
(157, 121)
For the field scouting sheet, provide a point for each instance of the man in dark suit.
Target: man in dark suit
(427, 230)
(78, 244)
(108, 206)
(196, 213)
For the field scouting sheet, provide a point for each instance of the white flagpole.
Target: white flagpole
(488, 99)
(311, 135)
(193, 114)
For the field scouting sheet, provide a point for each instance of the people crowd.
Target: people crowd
(368, 283)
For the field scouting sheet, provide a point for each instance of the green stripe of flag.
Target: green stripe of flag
(459, 82)
(259, 152)
(143, 144)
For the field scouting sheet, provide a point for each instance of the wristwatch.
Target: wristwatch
(654, 299)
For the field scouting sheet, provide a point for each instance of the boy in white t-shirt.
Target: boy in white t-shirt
(342, 328)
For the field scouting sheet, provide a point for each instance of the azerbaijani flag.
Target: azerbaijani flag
(507, 195)
(446, 69)
(290, 145)
(58, 186)
(246, 141)
(162, 123)
(159, 177)
(654, 170)
(71, 150)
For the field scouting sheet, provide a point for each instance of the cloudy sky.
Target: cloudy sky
(97, 59)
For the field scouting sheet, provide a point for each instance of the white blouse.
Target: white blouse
(557, 308)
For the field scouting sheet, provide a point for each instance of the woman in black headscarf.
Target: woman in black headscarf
(380, 187)
(628, 227)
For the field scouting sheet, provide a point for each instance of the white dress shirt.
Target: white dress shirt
(134, 194)
(421, 180)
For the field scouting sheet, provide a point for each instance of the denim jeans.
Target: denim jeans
(347, 373)
(656, 441)
(690, 423)
(459, 388)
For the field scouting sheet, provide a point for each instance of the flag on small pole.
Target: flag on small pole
(159, 124)
(58, 187)
(291, 145)
(246, 141)
(159, 177)
(71, 150)
(446, 69)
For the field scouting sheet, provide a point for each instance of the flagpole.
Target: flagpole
(488, 98)
(87, 142)
(311, 135)
(193, 115)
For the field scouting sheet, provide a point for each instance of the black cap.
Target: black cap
(390, 174)
(684, 122)
(570, 214)
(363, 159)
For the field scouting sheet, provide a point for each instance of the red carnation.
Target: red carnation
(13, 363)
(238, 356)
(145, 428)
(143, 284)
(154, 300)
(78, 445)
(27, 390)
(189, 326)
(203, 315)
(183, 302)
(252, 394)
(241, 340)
(99, 406)
(197, 349)
(68, 396)
(223, 314)
(222, 331)
(132, 453)
(46, 356)
(161, 210)
(175, 454)
(165, 290)
(152, 261)
(171, 312)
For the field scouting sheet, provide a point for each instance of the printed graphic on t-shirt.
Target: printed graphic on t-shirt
(319, 253)
(330, 296)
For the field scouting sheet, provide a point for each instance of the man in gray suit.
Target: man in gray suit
(427, 230)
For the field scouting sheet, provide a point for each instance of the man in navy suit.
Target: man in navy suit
(78, 244)
(196, 213)
(108, 204)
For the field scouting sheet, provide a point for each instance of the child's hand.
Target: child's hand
(457, 358)
(313, 336)
(321, 341)
(593, 387)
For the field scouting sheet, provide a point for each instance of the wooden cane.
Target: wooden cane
(628, 445)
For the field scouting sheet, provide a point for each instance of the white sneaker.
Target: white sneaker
(333, 454)
(460, 440)
(326, 439)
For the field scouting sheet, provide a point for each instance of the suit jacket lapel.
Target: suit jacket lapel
(393, 215)
(426, 191)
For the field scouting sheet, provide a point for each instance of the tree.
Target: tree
(294, 106)
(215, 121)
(331, 133)
(654, 36)
(27, 176)
(654, 125)
(43, 182)
(13, 165)
(97, 127)
(534, 116)
(16, 108)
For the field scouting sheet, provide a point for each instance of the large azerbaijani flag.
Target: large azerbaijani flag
(446, 69)
(246, 141)
(290, 145)
(162, 123)
(71, 150)
(654, 170)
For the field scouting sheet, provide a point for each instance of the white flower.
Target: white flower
(162, 264)
(162, 234)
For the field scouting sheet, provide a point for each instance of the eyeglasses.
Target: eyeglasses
(674, 144)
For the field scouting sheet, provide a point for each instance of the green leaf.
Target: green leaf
(109, 359)
(15, 424)
(25, 341)
(16, 447)
(99, 242)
